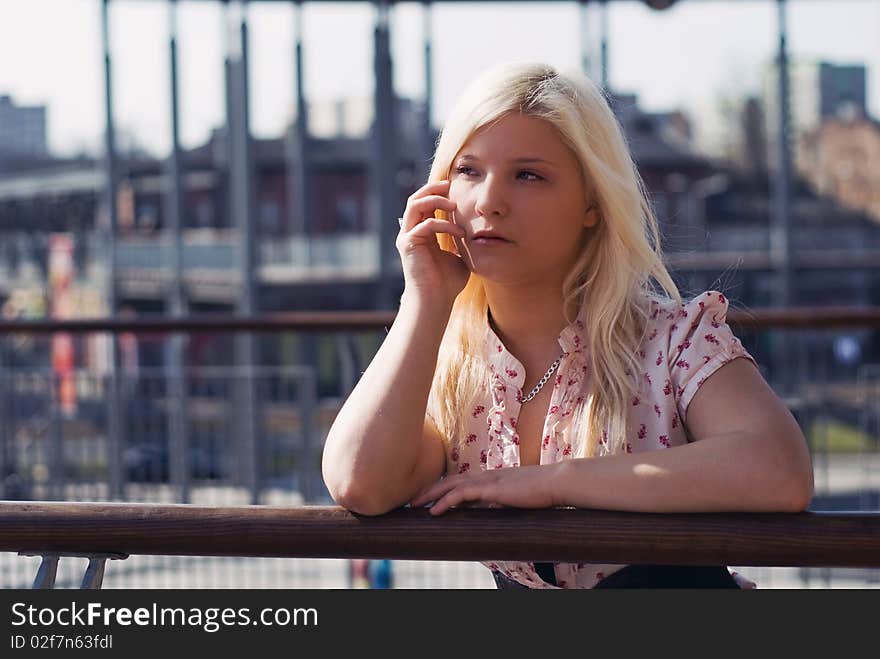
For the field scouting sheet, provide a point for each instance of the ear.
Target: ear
(591, 217)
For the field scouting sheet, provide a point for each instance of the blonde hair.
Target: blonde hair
(611, 279)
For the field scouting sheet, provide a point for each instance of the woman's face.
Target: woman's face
(517, 180)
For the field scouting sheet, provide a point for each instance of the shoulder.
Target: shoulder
(679, 321)
(710, 301)
(693, 331)
(667, 311)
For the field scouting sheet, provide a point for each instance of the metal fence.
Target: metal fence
(55, 444)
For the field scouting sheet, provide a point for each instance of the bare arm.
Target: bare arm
(749, 455)
(382, 449)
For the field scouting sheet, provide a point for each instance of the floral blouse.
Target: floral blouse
(682, 347)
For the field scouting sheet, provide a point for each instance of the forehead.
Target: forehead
(517, 136)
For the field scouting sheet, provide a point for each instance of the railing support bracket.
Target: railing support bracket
(93, 577)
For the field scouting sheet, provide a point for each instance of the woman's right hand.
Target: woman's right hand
(429, 272)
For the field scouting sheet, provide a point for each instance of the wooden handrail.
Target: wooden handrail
(325, 321)
(849, 539)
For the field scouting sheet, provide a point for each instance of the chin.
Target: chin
(501, 277)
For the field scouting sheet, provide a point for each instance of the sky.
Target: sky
(690, 57)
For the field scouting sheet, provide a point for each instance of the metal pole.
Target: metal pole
(604, 44)
(115, 440)
(781, 235)
(47, 572)
(178, 440)
(298, 180)
(55, 458)
(311, 467)
(8, 469)
(584, 15)
(241, 204)
(384, 160)
(428, 131)
(303, 229)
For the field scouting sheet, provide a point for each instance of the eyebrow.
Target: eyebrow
(467, 157)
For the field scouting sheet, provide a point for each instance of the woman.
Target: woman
(532, 338)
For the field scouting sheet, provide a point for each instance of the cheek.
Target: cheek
(457, 193)
(565, 226)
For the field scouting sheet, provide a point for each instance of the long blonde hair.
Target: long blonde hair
(611, 279)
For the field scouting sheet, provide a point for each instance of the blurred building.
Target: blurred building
(747, 146)
(714, 222)
(835, 145)
(841, 159)
(22, 130)
(328, 260)
(818, 91)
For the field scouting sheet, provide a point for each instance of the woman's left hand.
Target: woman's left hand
(518, 487)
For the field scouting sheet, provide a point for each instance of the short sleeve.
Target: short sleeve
(700, 342)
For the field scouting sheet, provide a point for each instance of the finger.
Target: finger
(437, 189)
(455, 497)
(407, 224)
(421, 500)
(424, 208)
(431, 203)
(433, 225)
(427, 228)
(432, 493)
(447, 484)
(438, 501)
(435, 491)
(439, 507)
(442, 505)
(430, 186)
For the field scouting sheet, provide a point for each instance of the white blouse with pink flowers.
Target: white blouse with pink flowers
(683, 346)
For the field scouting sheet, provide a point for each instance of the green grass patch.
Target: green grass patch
(836, 437)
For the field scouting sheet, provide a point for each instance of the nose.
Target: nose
(490, 198)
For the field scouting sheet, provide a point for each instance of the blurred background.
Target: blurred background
(164, 159)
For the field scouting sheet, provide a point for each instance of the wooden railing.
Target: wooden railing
(327, 321)
(117, 530)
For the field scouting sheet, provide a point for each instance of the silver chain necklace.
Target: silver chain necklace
(543, 380)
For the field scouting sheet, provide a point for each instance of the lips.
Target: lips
(488, 236)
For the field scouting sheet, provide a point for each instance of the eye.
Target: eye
(469, 171)
(537, 177)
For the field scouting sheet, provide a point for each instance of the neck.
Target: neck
(528, 322)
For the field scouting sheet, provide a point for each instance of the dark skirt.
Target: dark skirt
(642, 576)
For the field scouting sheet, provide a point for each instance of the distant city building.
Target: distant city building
(817, 91)
(335, 245)
(676, 174)
(714, 223)
(22, 130)
(841, 159)
(746, 148)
